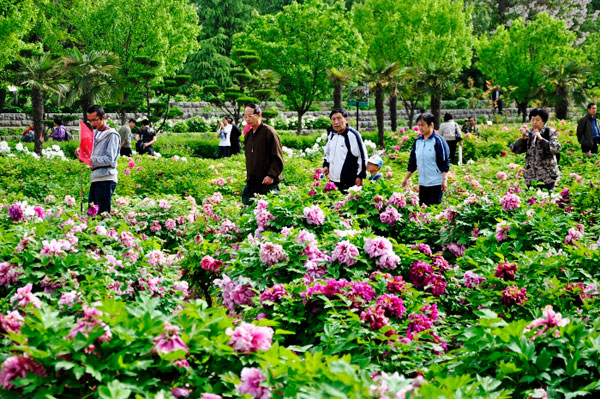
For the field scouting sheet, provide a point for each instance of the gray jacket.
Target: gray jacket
(105, 155)
(540, 161)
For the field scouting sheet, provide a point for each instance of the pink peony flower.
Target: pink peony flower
(273, 294)
(127, 171)
(170, 224)
(156, 257)
(457, 250)
(377, 246)
(131, 163)
(251, 383)
(390, 216)
(345, 253)
(472, 280)
(69, 201)
(9, 274)
(24, 296)
(271, 253)
(314, 215)
(127, 239)
(501, 176)
(16, 367)
(362, 289)
(250, 338)
(392, 305)
(235, 293)
(329, 186)
(169, 341)
(502, 230)
(12, 322)
(89, 323)
(550, 319)
(510, 201)
(164, 204)
(68, 298)
(388, 260)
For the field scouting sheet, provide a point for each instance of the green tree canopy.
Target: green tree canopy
(163, 30)
(516, 58)
(301, 44)
(16, 20)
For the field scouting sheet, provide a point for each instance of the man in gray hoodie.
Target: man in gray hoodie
(104, 160)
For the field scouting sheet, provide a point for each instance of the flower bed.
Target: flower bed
(182, 292)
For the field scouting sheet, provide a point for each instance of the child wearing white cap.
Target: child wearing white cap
(374, 164)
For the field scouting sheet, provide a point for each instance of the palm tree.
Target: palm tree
(436, 79)
(43, 74)
(379, 77)
(409, 92)
(92, 77)
(338, 77)
(563, 85)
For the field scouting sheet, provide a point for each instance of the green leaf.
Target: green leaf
(114, 390)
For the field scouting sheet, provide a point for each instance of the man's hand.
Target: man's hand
(444, 185)
(326, 170)
(358, 182)
(268, 180)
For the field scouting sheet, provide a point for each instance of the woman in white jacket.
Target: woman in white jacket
(450, 131)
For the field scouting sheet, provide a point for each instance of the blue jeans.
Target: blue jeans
(101, 194)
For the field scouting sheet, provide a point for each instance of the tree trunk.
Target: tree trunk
(394, 111)
(299, 128)
(337, 94)
(523, 110)
(2, 99)
(37, 102)
(562, 107)
(436, 109)
(379, 112)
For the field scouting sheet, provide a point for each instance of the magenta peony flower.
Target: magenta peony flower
(273, 294)
(251, 383)
(419, 273)
(375, 317)
(271, 253)
(15, 212)
(363, 290)
(131, 163)
(211, 264)
(574, 234)
(250, 338)
(16, 367)
(314, 215)
(169, 341)
(506, 270)
(234, 293)
(127, 171)
(170, 224)
(436, 284)
(345, 253)
(396, 284)
(24, 296)
(514, 295)
(329, 186)
(392, 305)
(92, 210)
(88, 323)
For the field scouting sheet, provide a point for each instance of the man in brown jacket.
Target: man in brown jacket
(264, 156)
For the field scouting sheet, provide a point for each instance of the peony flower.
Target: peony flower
(24, 296)
(250, 338)
(9, 274)
(550, 319)
(88, 323)
(501, 176)
(69, 201)
(392, 305)
(388, 260)
(362, 289)
(211, 264)
(92, 210)
(314, 215)
(156, 257)
(539, 393)
(345, 253)
(472, 280)
(513, 295)
(235, 293)
(377, 246)
(68, 298)
(15, 212)
(169, 341)
(12, 322)
(210, 396)
(506, 270)
(390, 216)
(273, 294)
(502, 230)
(271, 253)
(330, 186)
(510, 201)
(419, 273)
(127, 171)
(375, 317)
(16, 367)
(170, 224)
(251, 383)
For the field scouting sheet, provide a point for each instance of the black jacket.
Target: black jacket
(585, 130)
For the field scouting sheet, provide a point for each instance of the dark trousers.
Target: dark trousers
(101, 194)
(252, 188)
(125, 151)
(452, 146)
(224, 151)
(430, 195)
(591, 148)
(343, 187)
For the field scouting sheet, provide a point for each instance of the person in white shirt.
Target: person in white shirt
(450, 131)
(224, 127)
